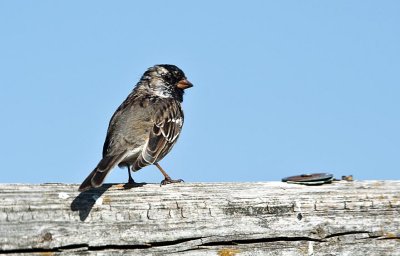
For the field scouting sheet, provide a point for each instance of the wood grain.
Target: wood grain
(263, 218)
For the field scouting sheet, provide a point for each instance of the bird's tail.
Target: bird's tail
(97, 176)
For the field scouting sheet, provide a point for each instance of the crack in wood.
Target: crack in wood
(86, 247)
(262, 240)
(348, 233)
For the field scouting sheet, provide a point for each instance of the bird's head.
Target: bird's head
(165, 81)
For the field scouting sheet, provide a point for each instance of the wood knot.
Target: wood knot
(299, 216)
(47, 237)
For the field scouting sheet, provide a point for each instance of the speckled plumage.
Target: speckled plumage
(145, 126)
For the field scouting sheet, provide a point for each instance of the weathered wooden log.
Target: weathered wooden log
(272, 218)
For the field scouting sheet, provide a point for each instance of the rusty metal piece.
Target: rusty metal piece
(310, 179)
(347, 177)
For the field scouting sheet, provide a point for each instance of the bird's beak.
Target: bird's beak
(184, 84)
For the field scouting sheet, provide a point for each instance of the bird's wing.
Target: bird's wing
(111, 144)
(168, 122)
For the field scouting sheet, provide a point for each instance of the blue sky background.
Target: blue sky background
(281, 87)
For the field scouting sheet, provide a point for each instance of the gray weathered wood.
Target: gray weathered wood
(272, 218)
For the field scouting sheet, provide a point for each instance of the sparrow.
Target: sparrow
(145, 127)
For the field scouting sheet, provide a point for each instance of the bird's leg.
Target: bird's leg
(130, 180)
(167, 179)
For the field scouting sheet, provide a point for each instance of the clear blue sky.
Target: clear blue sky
(281, 87)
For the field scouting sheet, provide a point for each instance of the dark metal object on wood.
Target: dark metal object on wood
(310, 179)
(264, 218)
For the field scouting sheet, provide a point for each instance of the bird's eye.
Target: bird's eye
(167, 77)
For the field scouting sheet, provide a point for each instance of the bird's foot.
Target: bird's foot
(131, 181)
(170, 181)
(132, 184)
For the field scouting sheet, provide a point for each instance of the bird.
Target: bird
(145, 127)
